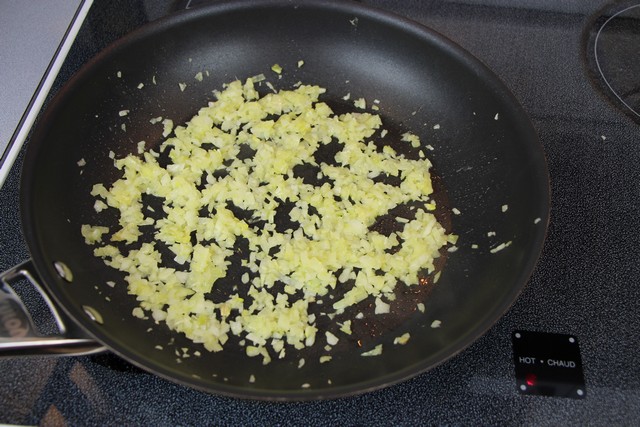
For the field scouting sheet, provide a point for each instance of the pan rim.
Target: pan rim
(379, 16)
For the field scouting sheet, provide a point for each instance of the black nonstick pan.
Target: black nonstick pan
(489, 168)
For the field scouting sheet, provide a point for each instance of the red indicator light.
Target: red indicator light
(531, 379)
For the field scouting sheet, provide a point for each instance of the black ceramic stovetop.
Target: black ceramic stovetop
(571, 65)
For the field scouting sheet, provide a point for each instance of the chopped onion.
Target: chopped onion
(334, 245)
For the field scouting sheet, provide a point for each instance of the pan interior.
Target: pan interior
(485, 153)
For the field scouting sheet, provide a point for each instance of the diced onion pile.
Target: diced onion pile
(333, 245)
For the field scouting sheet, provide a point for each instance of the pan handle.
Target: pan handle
(18, 333)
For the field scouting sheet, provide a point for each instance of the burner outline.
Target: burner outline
(595, 53)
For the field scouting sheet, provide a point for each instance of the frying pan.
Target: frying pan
(486, 157)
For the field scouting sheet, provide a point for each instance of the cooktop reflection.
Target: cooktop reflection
(613, 52)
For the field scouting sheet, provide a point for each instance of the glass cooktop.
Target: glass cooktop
(585, 287)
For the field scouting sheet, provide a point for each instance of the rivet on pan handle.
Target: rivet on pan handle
(18, 334)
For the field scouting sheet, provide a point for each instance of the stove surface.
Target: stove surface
(585, 285)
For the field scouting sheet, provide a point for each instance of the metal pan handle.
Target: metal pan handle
(18, 333)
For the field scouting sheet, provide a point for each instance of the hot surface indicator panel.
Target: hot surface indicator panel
(548, 364)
